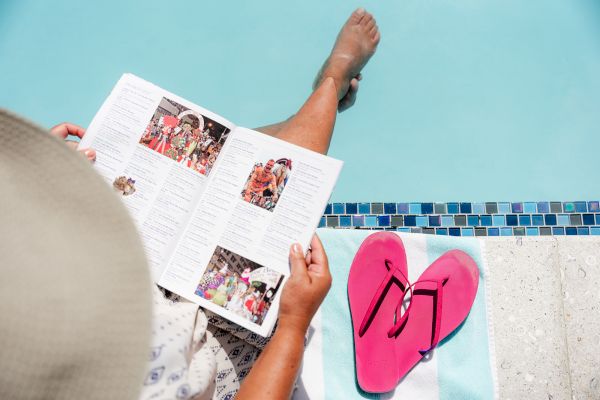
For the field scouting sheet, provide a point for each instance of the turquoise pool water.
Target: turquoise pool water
(469, 100)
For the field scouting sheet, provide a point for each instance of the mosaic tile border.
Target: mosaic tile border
(543, 218)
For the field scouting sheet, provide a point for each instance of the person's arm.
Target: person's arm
(274, 373)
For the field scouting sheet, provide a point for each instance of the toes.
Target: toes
(376, 38)
(370, 25)
(366, 19)
(373, 31)
(357, 15)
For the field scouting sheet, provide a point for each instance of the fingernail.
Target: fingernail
(296, 248)
(90, 154)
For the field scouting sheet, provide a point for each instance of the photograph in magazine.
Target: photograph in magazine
(266, 182)
(185, 136)
(239, 285)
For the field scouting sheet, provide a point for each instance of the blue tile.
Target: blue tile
(503, 208)
(595, 230)
(358, 220)
(597, 219)
(529, 208)
(454, 231)
(453, 208)
(441, 231)
(327, 209)
(468, 232)
(333, 221)
(506, 231)
(485, 220)
(543, 207)
(473, 220)
(448, 220)
(427, 208)
(322, 222)
(364, 208)
(415, 208)
(517, 207)
(435, 220)
(550, 219)
(422, 221)
(556, 230)
(410, 220)
(531, 231)
(593, 206)
(402, 208)
(583, 230)
(588, 219)
(537, 219)
(345, 220)
(511, 220)
(563, 220)
(478, 208)
(519, 231)
(339, 208)
(351, 208)
(383, 220)
(493, 232)
(465, 208)
(370, 220)
(580, 206)
(571, 230)
(568, 207)
(524, 220)
(389, 208)
(402, 229)
(498, 220)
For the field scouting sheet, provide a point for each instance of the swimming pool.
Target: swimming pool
(467, 100)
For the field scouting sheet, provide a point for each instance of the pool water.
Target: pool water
(468, 100)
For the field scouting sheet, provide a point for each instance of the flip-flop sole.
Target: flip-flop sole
(376, 359)
(459, 291)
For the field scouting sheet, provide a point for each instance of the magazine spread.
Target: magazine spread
(217, 206)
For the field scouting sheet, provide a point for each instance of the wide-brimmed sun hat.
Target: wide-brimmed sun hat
(75, 303)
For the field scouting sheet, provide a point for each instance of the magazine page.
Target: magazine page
(232, 257)
(158, 151)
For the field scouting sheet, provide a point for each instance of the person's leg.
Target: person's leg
(353, 48)
(312, 126)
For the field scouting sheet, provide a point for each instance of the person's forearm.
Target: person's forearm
(274, 373)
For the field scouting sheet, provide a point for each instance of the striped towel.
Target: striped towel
(461, 367)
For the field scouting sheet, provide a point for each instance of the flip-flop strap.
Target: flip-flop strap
(393, 271)
(394, 330)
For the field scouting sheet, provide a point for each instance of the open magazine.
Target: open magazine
(217, 206)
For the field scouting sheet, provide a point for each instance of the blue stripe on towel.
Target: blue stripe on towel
(338, 344)
(464, 369)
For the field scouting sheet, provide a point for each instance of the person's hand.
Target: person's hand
(306, 288)
(62, 131)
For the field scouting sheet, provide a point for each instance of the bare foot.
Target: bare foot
(355, 45)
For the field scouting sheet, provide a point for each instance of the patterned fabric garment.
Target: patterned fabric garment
(189, 361)
(181, 364)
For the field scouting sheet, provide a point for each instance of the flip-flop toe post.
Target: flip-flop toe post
(441, 300)
(377, 280)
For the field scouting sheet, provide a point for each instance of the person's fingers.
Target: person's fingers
(90, 154)
(65, 129)
(308, 257)
(297, 262)
(319, 258)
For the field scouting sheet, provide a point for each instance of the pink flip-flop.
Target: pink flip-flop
(440, 301)
(376, 283)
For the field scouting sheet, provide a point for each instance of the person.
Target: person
(262, 183)
(335, 88)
